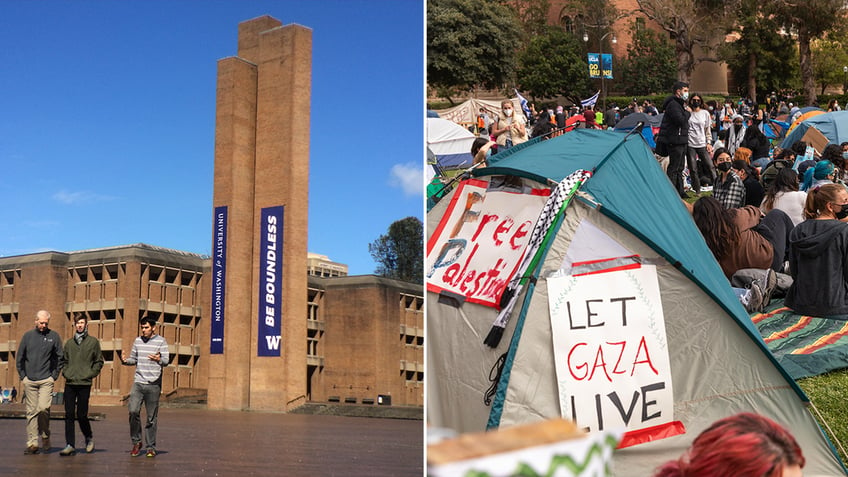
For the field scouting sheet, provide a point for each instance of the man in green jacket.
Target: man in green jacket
(82, 362)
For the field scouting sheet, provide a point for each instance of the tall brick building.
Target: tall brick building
(247, 325)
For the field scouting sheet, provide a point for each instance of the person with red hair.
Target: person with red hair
(744, 444)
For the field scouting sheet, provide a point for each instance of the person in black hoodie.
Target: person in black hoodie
(674, 134)
(818, 254)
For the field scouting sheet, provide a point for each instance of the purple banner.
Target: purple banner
(270, 281)
(219, 279)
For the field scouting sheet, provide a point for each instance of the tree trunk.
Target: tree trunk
(684, 58)
(808, 81)
(752, 76)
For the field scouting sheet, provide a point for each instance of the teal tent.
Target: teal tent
(833, 126)
(719, 364)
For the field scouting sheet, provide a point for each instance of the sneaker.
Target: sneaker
(68, 450)
(769, 286)
(136, 450)
(31, 450)
(755, 299)
(45, 444)
(151, 452)
(89, 445)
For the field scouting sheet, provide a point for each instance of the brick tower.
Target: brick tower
(259, 253)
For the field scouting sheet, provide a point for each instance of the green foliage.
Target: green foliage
(829, 58)
(400, 253)
(470, 43)
(761, 57)
(553, 65)
(532, 15)
(650, 67)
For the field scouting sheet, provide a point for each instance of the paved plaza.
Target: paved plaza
(199, 442)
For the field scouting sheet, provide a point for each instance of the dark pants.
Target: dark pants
(676, 163)
(775, 227)
(149, 394)
(700, 167)
(76, 408)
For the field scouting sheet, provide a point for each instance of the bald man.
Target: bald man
(38, 361)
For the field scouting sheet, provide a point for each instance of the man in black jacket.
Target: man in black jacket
(674, 133)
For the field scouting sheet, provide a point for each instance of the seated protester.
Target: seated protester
(742, 154)
(782, 158)
(754, 192)
(721, 140)
(758, 143)
(743, 238)
(783, 194)
(818, 255)
(744, 444)
(481, 149)
(833, 153)
(822, 173)
(728, 189)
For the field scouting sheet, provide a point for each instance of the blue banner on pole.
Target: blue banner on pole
(594, 65)
(219, 280)
(606, 65)
(270, 281)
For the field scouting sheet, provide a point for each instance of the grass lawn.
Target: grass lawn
(827, 393)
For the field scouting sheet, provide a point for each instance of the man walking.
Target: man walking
(149, 355)
(81, 363)
(38, 361)
(674, 134)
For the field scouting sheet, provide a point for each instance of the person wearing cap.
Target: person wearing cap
(674, 134)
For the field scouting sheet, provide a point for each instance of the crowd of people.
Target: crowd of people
(775, 220)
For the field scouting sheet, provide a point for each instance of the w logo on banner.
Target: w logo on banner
(588, 103)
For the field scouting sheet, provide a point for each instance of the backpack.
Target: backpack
(769, 174)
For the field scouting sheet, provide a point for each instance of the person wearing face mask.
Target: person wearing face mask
(511, 128)
(674, 134)
(699, 150)
(727, 112)
(729, 190)
(735, 134)
(833, 105)
(818, 254)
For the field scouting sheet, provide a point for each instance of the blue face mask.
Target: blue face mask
(844, 154)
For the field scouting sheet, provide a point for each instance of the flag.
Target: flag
(588, 103)
(523, 102)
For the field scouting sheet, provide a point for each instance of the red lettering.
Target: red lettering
(485, 220)
(623, 344)
(643, 346)
(580, 367)
(501, 229)
(521, 232)
(599, 358)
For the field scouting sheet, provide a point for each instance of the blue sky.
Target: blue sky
(107, 120)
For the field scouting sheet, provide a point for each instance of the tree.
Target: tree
(400, 253)
(532, 16)
(760, 56)
(809, 19)
(829, 58)
(470, 44)
(650, 66)
(553, 64)
(691, 23)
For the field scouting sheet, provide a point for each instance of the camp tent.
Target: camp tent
(630, 121)
(467, 111)
(717, 362)
(450, 143)
(833, 125)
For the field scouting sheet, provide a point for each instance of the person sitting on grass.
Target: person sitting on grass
(818, 254)
(745, 444)
(729, 189)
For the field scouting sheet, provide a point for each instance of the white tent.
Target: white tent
(450, 143)
(687, 356)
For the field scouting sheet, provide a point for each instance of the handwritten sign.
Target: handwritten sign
(611, 351)
(480, 240)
